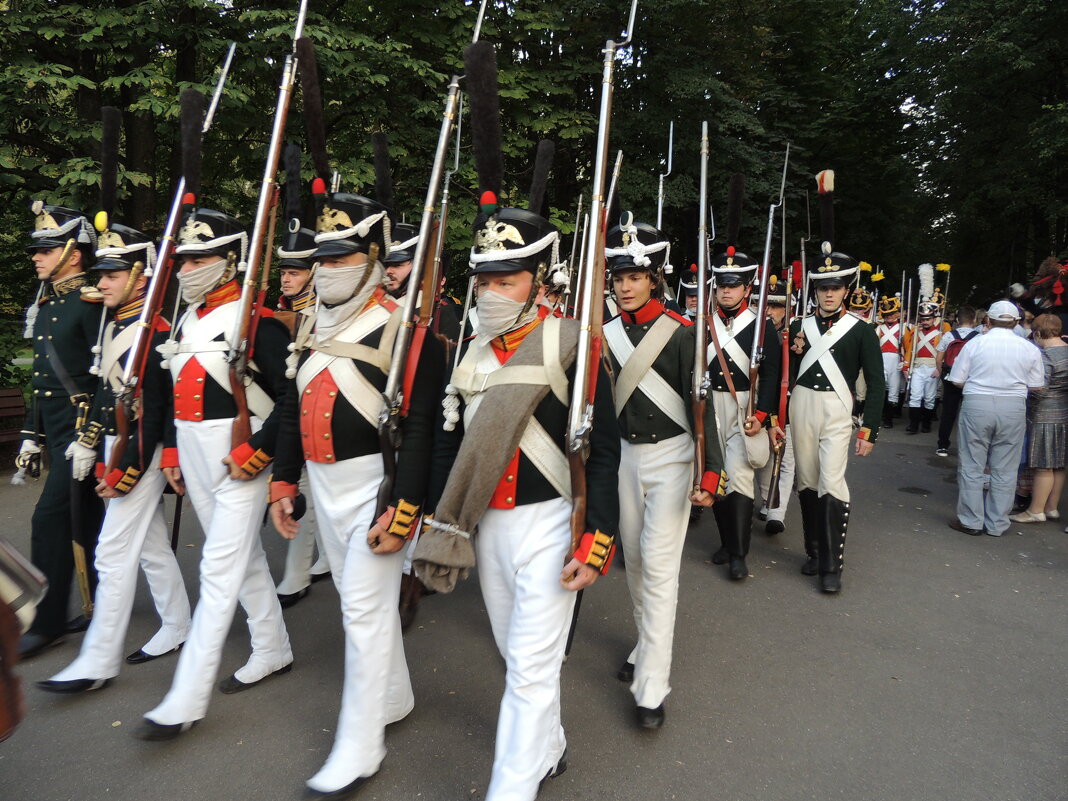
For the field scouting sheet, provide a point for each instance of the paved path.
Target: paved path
(938, 673)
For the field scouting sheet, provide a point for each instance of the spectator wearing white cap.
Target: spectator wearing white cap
(996, 371)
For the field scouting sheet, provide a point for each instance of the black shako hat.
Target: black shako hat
(206, 232)
(351, 224)
(402, 248)
(54, 226)
(733, 268)
(514, 239)
(119, 247)
(298, 247)
(636, 246)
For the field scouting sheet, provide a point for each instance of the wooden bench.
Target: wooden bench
(12, 414)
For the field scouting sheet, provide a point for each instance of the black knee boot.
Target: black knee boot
(914, 420)
(925, 419)
(833, 521)
(808, 501)
(888, 412)
(738, 535)
(719, 512)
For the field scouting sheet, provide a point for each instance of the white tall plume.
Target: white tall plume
(926, 272)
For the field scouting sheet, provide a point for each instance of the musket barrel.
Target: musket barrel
(404, 334)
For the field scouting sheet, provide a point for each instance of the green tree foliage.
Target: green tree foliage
(943, 121)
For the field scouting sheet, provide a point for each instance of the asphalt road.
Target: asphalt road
(938, 673)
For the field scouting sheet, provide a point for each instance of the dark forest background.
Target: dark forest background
(946, 121)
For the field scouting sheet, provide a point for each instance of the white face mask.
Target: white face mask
(498, 314)
(334, 286)
(196, 284)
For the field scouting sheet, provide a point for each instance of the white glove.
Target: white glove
(29, 446)
(81, 459)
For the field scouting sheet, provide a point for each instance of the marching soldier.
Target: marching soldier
(226, 481)
(330, 422)
(890, 336)
(134, 526)
(832, 347)
(921, 349)
(63, 324)
(688, 292)
(742, 436)
(507, 474)
(500, 463)
(296, 308)
(652, 352)
(775, 518)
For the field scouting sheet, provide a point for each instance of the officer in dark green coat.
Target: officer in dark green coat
(830, 349)
(64, 325)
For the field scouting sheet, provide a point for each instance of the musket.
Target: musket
(157, 285)
(804, 264)
(614, 185)
(439, 249)
(663, 175)
(580, 413)
(576, 236)
(412, 332)
(757, 354)
(241, 343)
(784, 392)
(701, 381)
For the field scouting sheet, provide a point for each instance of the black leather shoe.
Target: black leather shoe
(830, 582)
(336, 795)
(773, 527)
(738, 569)
(32, 644)
(556, 770)
(286, 601)
(77, 625)
(720, 557)
(956, 525)
(650, 718)
(73, 686)
(811, 566)
(626, 672)
(140, 656)
(158, 732)
(232, 684)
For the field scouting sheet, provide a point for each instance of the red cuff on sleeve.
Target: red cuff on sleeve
(710, 482)
(760, 416)
(242, 453)
(596, 550)
(865, 434)
(282, 489)
(98, 470)
(169, 458)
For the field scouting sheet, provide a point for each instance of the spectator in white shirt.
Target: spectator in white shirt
(996, 371)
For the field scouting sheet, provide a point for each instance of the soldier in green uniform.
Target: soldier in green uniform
(64, 325)
(652, 353)
(832, 347)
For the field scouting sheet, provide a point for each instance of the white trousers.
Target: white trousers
(654, 509)
(299, 568)
(892, 374)
(740, 475)
(923, 386)
(134, 530)
(233, 568)
(822, 429)
(377, 688)
(521, 553)
(786, 479)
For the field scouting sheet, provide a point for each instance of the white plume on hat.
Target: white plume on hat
(926, 272)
